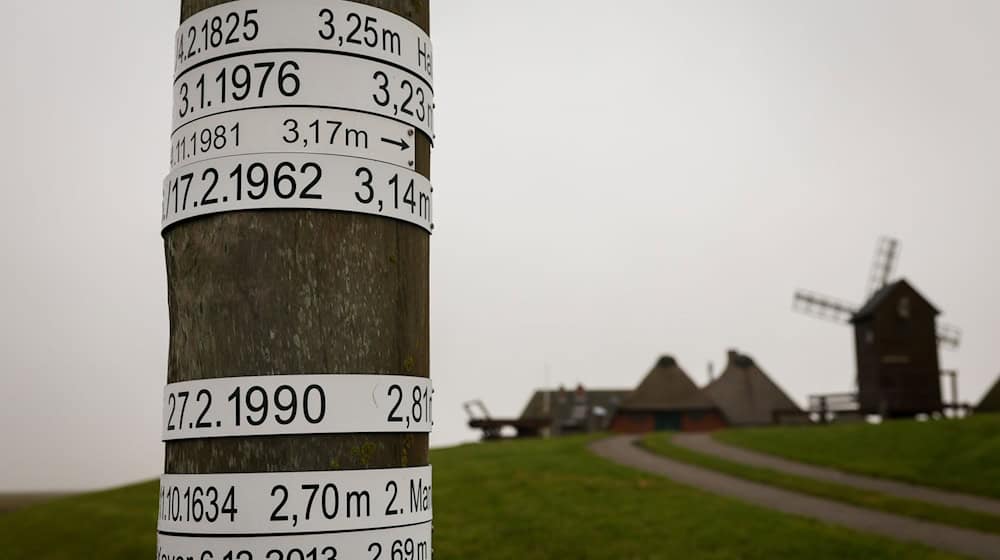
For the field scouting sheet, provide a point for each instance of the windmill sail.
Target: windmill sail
(949, 336)
(823, 307)
(882, 266)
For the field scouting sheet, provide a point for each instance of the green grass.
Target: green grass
(961, 455)
(530, 500)
(660, 443)
(114, 524)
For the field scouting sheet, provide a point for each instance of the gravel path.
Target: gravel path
(622, 450)
(704, 443)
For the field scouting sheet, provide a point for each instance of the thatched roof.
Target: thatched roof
(746, 395)
(561, 401)
(667, 388)
(991, 401)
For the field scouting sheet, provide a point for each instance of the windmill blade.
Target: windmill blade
(883, 264)
(823, 307)
(949, 336)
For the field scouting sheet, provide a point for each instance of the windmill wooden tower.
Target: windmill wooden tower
(896, 339)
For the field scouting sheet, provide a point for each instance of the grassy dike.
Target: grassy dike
(660, 443)
(960, 455)
(529, 500)
(113, 524)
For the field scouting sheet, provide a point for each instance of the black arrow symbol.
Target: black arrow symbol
(401, 143)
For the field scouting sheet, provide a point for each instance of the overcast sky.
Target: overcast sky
(612, 184)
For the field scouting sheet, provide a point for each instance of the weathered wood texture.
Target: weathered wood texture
(299, 291)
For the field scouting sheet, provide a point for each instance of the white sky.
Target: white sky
(611, 184)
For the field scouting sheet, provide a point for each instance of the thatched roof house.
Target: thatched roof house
(991, 401)
(747, 396)
(667, 399)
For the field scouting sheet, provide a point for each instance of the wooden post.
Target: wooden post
(299, 291)
(954, 389)
(954, 406)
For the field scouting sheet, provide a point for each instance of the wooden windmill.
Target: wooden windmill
(896, 339)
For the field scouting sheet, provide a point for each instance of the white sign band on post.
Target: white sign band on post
(407, 542)
(294, 502)
(328, 25)
(302, 79)
(296, 181)
(296, 404)
(294, 130)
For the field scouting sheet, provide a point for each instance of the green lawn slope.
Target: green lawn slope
(523, 499)
(111, 525)
(961, 455)
(662, 444)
